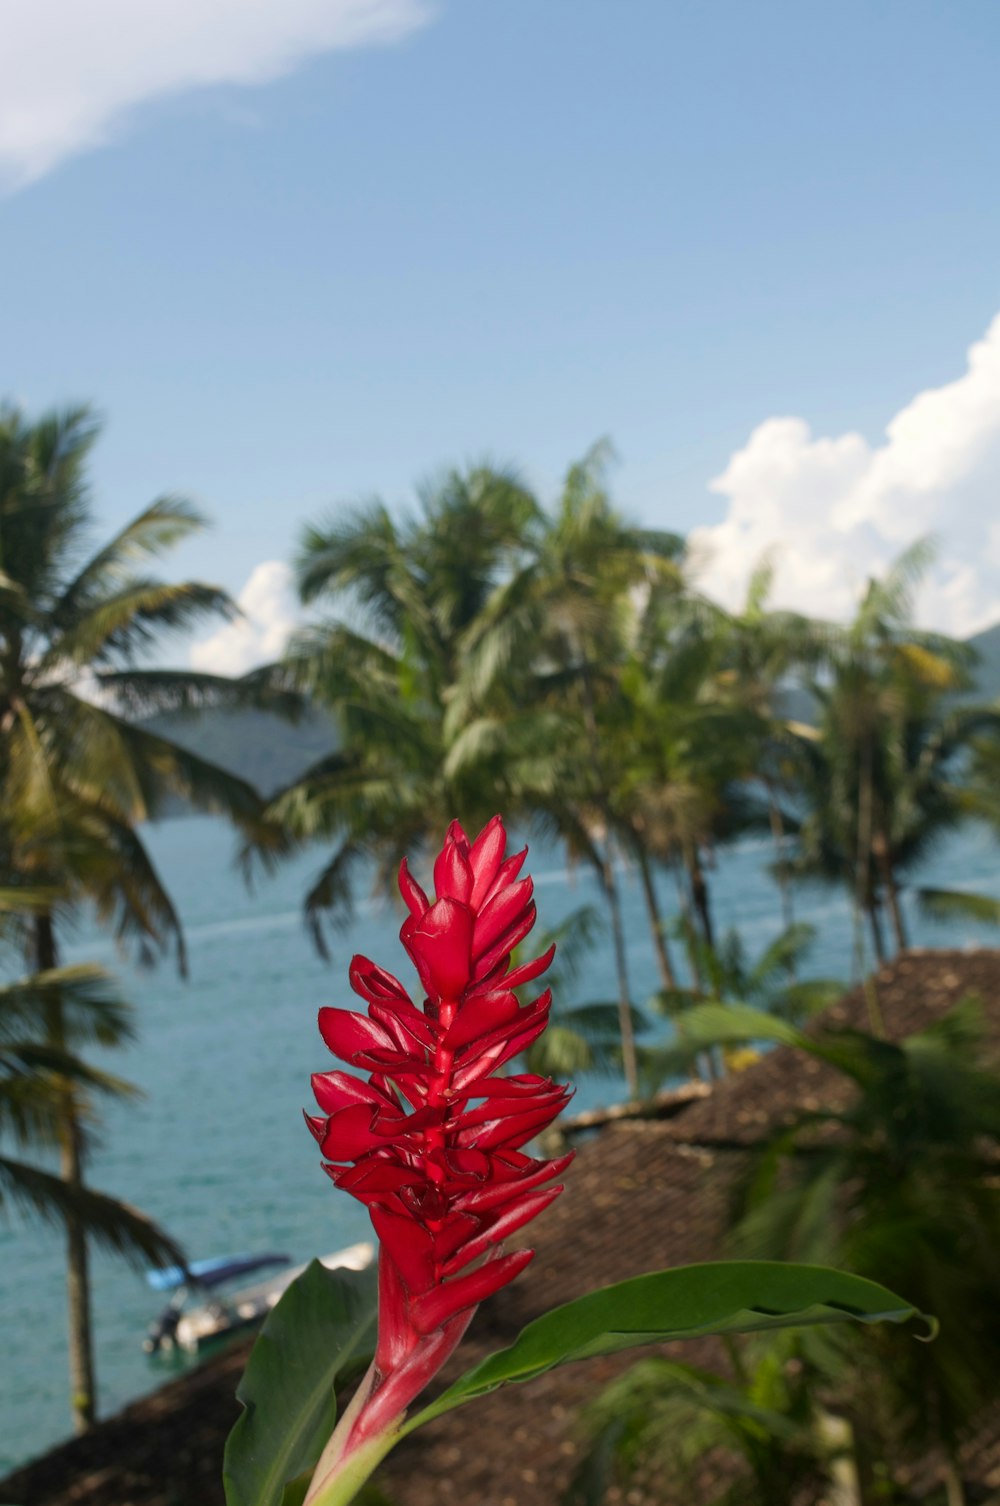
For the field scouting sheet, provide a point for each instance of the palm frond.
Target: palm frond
(958, 904)
(158, 527)
(113, 1224)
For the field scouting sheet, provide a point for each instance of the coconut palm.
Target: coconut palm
(883, 775)
(762, 651)
(540, 680)
(33, 1075)
(77, 774)
(400, 597)
(685, 749)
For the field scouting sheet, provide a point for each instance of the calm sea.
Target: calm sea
(217, 1150)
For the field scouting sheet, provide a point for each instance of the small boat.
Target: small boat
(225, 1315)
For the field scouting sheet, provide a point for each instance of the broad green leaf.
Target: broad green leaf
(325, 1322)
(692, 1301)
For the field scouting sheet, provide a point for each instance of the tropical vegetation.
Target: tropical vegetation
(79, 773)
(482, 652)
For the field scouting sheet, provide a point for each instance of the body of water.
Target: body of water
(217, 1150)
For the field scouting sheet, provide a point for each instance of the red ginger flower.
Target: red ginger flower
(432, 1142)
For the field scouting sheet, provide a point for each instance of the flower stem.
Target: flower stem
(343, 1468)
(341, 1484)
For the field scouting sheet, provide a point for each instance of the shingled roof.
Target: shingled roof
(641, 1195)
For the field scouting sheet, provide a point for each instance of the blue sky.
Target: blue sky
(301, 251)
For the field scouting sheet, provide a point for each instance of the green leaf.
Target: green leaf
(692, 1301)
(325, 1321)
(957, 904)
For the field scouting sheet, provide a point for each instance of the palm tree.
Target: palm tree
(540, 680)
(883, 776)
(684, 751)
(33, 1074)
(76, 774)
(761, 650)
(401, 596)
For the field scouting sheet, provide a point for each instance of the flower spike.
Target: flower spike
(433, 1142)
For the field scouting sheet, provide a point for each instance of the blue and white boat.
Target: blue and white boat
(223, 1315)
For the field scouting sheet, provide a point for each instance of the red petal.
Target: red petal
(467, 1163)
(338, 1090)
(375, 984)
(409, 1246)
(499, 915)
(529, 970)
(503, 1189)
(316, 1124)
(349, 1134)
(478, 1016)
(407, 1026)
(498, 1107)
(521, 1086)
(457, 1230)
(374, 1175)
(348, 1034)
(394, 1335)
(430, 1311)
(440, 945)
(507, 942)
(506, 873)
(506, 1223)
(456, 834)
(509, 1130)
(416, 900)
(452, 874)
(395, 1126)
(524, 1020)
(480, 1063)
(485, 859)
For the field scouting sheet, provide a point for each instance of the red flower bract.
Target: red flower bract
(433, 1142)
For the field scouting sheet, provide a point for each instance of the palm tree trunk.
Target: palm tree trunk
(699, 895)
(664, 963)
(684, 900)
(890, 889)
(778, 838)
(875, 923)
(629, 1061)
(83, 1387)
(610, 884)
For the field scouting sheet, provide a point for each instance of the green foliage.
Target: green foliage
(684, 1303)
(887, 773)
(666, 1416)
(327, 1319)
(324, 1324)
(34, 1076)
(895, 1180)
(76, 779)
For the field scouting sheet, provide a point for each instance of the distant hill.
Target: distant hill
(257, 745)
(987, 673)
(797, 705)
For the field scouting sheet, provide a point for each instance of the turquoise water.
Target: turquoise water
(217, 1150)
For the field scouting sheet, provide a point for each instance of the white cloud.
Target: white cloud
(835, 511)
(71, 70)
(258, 637)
